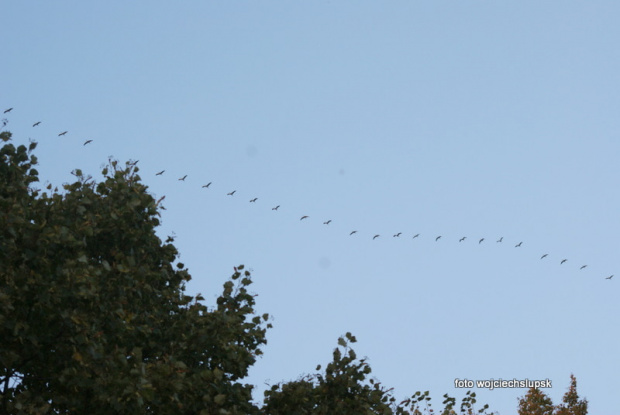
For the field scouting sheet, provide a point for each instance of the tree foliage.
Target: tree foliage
(571, 404)
(345, 388)
(93, 315)
(536, 402)
(94, 318)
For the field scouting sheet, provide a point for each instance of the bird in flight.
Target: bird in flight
(398, 234)
(438, 238)
(9, 110)
(415, 236)
(610, 277)
(583, 266)
(500, 239)
(275, 208)
(160, 173)
(254, 200)
(563, 261)
(544, 256)
(375, 237)
(183, 178)
(63, 133)
(303, 217)
(328, 222)
(36, 123)
(518, 245)
(352, 232)
(88, 142)
(231, 193)
(206, 185)
(463, 238)
(480, 241)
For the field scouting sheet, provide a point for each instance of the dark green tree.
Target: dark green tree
(341, 390)
(93, 315)
(345, 388)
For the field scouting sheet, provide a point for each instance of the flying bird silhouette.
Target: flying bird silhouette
(352, 232)
(9, 110)
(463, 238)
(583, 266)
(398, 234)
(375, 237)
(563, 261)
(275, 208)
(415, 236)
(518, 245)
(183, 178)
(439, 237)
(610, 277)
(500, 239)
(254, 200)
(36, 123)
(63, 133)
(160, 173)
(480, 241)
(304, 217)
(544, 256)
(88, 142)
(328, 222)
(231, 193)
(206, 185)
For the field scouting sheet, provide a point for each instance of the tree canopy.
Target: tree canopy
(536, 402)
(94, 317)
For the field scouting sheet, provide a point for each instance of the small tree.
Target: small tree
(571, 404)
(344, 388)
(537, 402)
(341, 390)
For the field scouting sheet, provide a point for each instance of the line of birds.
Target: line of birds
(275, 208)
(36, 124)
(396, 235)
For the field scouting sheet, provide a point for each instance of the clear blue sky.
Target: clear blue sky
(483, 119)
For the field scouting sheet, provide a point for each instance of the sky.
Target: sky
(476, 119)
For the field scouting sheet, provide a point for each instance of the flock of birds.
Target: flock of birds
(275, 208)
(396, 235)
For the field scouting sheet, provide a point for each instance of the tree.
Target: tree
(537, 402)
(571, 404)
(343, 388)
(94, 318)
(93, 315)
